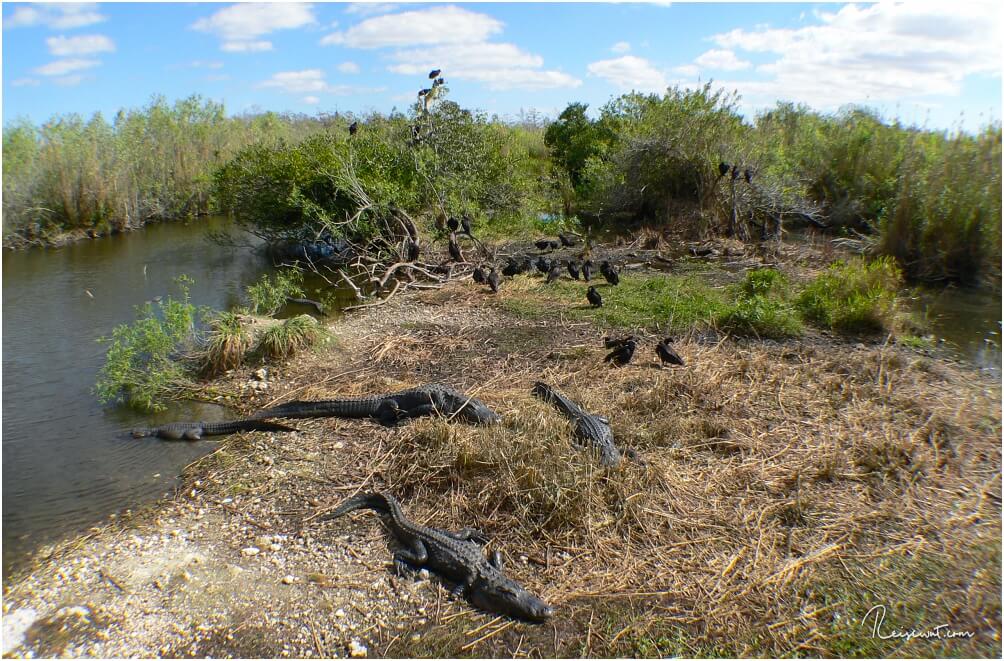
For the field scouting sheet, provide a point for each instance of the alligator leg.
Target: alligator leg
(415, 557)
(192, 435)
(495, 559)
(470, 535)
(388, 413)
(461, 588)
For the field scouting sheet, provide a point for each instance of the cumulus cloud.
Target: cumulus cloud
(724, 60)
(311, 81)
(311, 100)
(25, 82)
(630, 73)
(369, 8)
(240, 26)
(869, 53)
(499, 65)
(53, 16)
(63, 67)
(83, 45)
(620, 47)
(436, 25)
(69, 81)
(348, 67)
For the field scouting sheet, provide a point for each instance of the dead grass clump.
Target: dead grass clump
(227, 344)
(290, 337)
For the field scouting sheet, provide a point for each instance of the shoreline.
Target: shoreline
(232, 565)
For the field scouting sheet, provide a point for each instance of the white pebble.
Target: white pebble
(357, 649)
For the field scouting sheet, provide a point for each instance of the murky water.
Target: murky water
(67, 461)
(966, 323)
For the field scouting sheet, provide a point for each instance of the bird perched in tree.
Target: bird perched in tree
(435, 73)
(587, 269)
(465, 222)
(748, 175)
(573, 269)
(479, 275)
(610, 273)
(455, 249)
(568, 240)
(424, 91)
(735, 172)
(453, 224)
(554, 273)
(666, 352)
(622, 354)
(413, 249)
(353, 127)
(440, 81)
(594, 297)
(723, 169)
(543, 264)
(494, 280)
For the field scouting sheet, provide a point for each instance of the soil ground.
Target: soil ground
(786, 488)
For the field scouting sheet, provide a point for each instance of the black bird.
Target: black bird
(455, 249)
(465, 222)
(612, 342)
(568, 240)
(424, 92)
(748, 175)
(594, 297)
(610, 273)
(511, 268)
(554, 273)
(666, 352)
(622, 355)
(452, 223)
(723, 169)
(413, 250)
(587, 269)
(543, 264)
(735, 172)
(353, 127)
(435, 73)
(479, 275)
(493, 280)
(440, 81)
(573, 269)
(542, 244)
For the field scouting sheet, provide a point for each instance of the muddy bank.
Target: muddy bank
(787, 487)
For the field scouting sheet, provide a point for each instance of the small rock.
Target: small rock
(261, 374)
(357, 649)
(288, 579)
(251, 550)
(339, 613)
(415, 637)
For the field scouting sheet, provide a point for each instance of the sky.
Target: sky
(931, 64)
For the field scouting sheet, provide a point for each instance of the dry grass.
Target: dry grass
(788, 487)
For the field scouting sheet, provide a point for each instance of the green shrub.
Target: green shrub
(856, 296)
(761, 307)
(226, 345)
(142, 366)
(270, 292)
(289, 337)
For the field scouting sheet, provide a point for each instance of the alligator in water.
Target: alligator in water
(592, 430)
(457, 556)
(429, 399)
(193, 431)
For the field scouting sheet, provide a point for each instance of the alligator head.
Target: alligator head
(504, 595)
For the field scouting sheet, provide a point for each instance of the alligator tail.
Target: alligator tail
(347, 408)
(543, 391)
(374, 501)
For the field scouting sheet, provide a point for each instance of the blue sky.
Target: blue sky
(932, 64)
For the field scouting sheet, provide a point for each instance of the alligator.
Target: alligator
(457, 556)
(592, 430)
(193, 431)
(393, 408)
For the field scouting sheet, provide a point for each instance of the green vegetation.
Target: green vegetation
(854, 297)
(760, 307)
(141, 368)
(227, 343)
(289, 337)
(271, 291)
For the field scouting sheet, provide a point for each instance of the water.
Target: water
(969, 322)
(67, 461)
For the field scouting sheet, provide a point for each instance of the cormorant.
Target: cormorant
(735, 172)
(455, 249)
(587, 269)
(666, 352)
(353, 127)
(434, 73)
(452, 223)
(568, 240)
(413, 250)
(609, 273)
(465, 222)
(723, 169)
(424, 92)
(748, 175)
(573, 269)
(494, 280)
(594, 297)
(554, 273)
(479, 275)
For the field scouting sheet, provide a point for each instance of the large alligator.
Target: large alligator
(429, 399)
(591, 430)
(193, 431)
(457, 556)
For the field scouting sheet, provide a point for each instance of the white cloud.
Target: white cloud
(63, 67)
(872, 53)
(724, 60)
(53, 16)
(620, 47)
(69, 81)
(206, 64)
(245, 46)
(240, 26)
(688, 70)
(436, 25)
(83, 45)
(25, 82)
(311, 100)
(348, 67)
(369, 8)
(630, 73)
(311, 81)
(501, 66)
